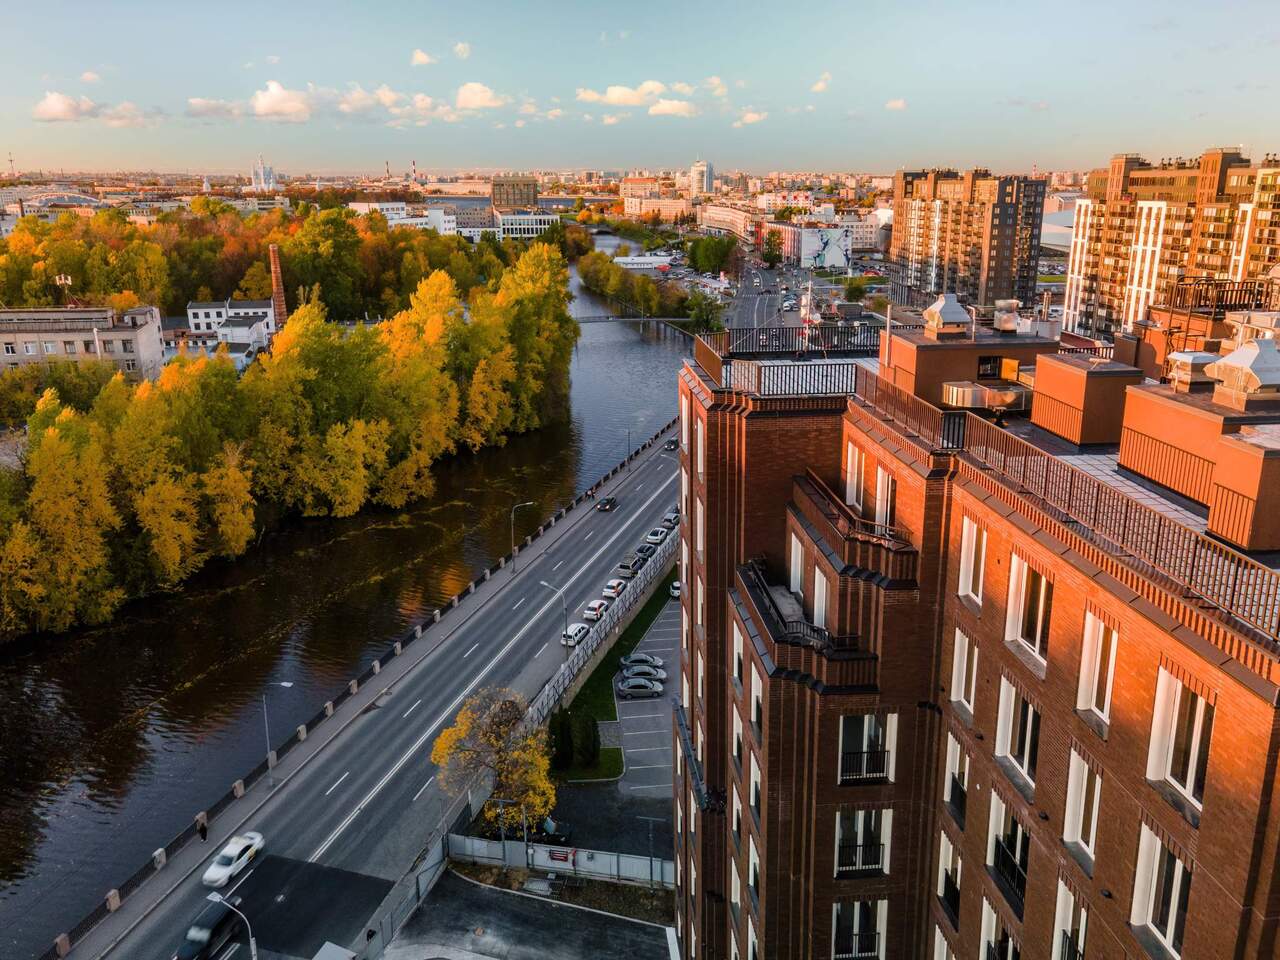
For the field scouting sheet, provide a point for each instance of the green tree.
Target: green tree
(772, 250)
(586, 739)
(855, 288)
(704, 312)
(256, 283)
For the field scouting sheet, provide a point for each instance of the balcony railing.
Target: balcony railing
(1010, 874)
(956, 799)
(950, 897)
(783, 342)
(1072, 946)
(755, 575)
(858, 765)
(856, 946)
(690, 755)
(854, 856)
(1006, 949)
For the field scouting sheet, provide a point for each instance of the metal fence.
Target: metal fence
(565, 861)
(541, 705)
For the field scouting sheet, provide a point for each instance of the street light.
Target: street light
(559, 591)
(527, 503)
(652, 821)
(266, 726)
(215, 897)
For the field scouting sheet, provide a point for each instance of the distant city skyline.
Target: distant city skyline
(325, 89)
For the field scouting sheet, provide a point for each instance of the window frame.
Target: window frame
(1101, 641)
(973, 560)
(1153, 858)
(1170, 692)
(1019, 583)
(1084, 800)
(964, 670)
(1018, 731)
(855, 470)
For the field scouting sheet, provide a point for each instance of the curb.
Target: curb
(560, 903)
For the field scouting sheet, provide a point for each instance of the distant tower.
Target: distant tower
(277, 287)
(415, 171)
(388, 166)
(204, 187)
(13, 173)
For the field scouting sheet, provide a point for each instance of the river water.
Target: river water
(112, 737)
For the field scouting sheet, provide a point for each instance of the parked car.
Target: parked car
(595, 609)
(576, 633)
(233, 858)
(656, 536)
(645, 671)
(675, 590)
(605, 504)
(555, 832)
(671, 519)
(638, 659)
(212, 929)
(614, 588)
(630, 565)
(646, 550)
(671, 444)
(630, 688)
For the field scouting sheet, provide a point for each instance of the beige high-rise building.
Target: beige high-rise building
(1141, 227)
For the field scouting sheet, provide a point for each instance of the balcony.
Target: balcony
(863, 765)
(853, 856)
(856, 946)
(1010, 876)
(956, 800)
(950, 898)
(801, 362)
(1072, 946)
(700, 792)
(786, 618)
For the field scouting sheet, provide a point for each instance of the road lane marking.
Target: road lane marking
(649, 786)
(639, 716)
(559, 563)
(493, 662)
(645, 750)
(338, 784)
(588, 536)
(643, 733)
(410, 710)
(240, 884)
(423, 788)
(652, 766)
(518, 602)
(540, 649)
(230, 953)
(472, 650)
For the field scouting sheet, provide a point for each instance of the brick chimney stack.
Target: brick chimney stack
(277, 287)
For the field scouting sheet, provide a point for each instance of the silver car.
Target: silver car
(644, 671)
(630, 688)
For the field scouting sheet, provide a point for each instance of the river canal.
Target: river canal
(111, 738)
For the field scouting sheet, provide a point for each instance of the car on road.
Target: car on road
(595, 609)
(576, 633)
(234, 857)
(630, 565)
(672, 444)
(640, 659)
(645, 671)
(657, 535)
(646, 550)
(633, 688)
(675, 590)
(671, 519)
(614, 588)
(605, 504)
(212, 929)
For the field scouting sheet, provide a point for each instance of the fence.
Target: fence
(543, 703)
(565, 861)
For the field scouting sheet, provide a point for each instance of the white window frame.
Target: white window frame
(820, 588)
(684, 492)
(964, 670)
(889, 732)
(797, 567)
(1097, 667)
(855, 467)
(1169, 697)
(973, 560)
(941, 949)
(881, 923)
(1018, 573)
(1011, 700)
(684, 421)
(886, 493)
(700, 527)
(700, 612)
(859, 817)
(739, 656)
(1063, 913)
(755, 876)
(957, 766)
(757, 697)
(1084, 798)
(702, 677)
(699, 433)
(738, 744)
(755, 794)
(1152, 855)
(684, 559)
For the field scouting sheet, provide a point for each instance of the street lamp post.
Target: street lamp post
(527, 503)
(216, 897)
(266, 725)
(652, 821)
(559, 591)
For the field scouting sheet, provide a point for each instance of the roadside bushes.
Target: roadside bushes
(575, 740)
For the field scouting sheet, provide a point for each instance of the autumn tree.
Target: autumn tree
(490, 738)
(771, 253)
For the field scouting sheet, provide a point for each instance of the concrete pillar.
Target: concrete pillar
(302, 732)
(237, 789)
(486, 576)
(454, 601)
(62, 944)
(471, 588)
(271, 760)
(417, 631)
(502, 562)
(159, 858)
(113, 901)
(354, 686)
(328, 708)
(436, 616)
(400, 649)
(377, 667)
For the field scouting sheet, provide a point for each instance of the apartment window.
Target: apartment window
(757, 701)
(737, 739)
(108, 346)
(684, 690)
(866, 746)
(863, 841)
(699, 435)
(739, 659)
(753, 945)
(757, 789)
(735, 891)
(737, 816)
(1097, 668)
(886, 488)
(857, 929)
(819, 598)
(126, 346)
(700, 528)
(964, 671)
(973, 558)
(941, 949)
(1030, 604)
(29, 348)
(684, 421)
(1084, 794)
(684, 560)
(684, 630)
(1008, 849)
(955, 784)
(50, 347)
(1181, 729)
(1070, 923)
(1018, 731)
(702, 677)
(797, 567)
(949, 869)
(693, 814)
(684, 492)
(131, 365)
(998, 942)
(10, 349)
(89, 346)
(753, 868)
(855, 464)
(1162, 884)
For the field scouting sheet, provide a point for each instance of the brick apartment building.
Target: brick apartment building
(963, 688)
(1143, 227)
(972, 234)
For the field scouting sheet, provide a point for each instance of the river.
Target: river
(112, 737)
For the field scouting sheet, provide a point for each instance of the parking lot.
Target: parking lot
(645, 725)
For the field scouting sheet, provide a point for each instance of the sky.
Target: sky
(856, 85)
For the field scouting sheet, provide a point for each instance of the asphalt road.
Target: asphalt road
(366, 804)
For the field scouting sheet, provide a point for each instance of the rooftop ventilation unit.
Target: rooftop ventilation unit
(1187, 371)
(1250, 369)
(1005, 320)
(946, 319)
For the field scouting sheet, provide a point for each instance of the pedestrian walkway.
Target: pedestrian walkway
(645, 725)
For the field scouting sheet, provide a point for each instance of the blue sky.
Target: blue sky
(330, 87)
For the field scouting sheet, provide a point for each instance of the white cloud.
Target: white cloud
(462, 50)
(896, 104)
(247, 65)
(740, 84)
(60, 108)
(617, 95)
(609, 119)
(273, 58)
(820, 85)
(520, 123)
(280, 104)
(89, 77)
(476, 96)
(207, 109)
(356, 100)
(673, 108)
(808, 108)
(749, 117)
(555, 113)
(684, 89)
(529, 108)
(717, 87)
(587, 118)
(420, 58)
(126, 114)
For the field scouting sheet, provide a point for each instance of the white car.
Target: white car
(675, 590)
(233, 858)
(657, 535)
(595, 609)
(575, 633)
(614, 588)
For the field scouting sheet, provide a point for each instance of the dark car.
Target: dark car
(215, 927)
(646, 550)
(671, 444)
(605, 504)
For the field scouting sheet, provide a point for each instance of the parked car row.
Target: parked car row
(641, 675)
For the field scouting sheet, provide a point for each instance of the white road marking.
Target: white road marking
(588, 536)
(448, 711)
(652, 766)
(645, 749)
(540, 649)
(422, 788)
(472, 650)
(641, 716)
(231, 952)
(559, 563)
(649, 786)
(338, 784)
(410, 710)
(518, 602)
(642, 733)
(240, 884)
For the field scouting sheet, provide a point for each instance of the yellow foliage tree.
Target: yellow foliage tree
(228, 489)
(167, 514)
(490, 738)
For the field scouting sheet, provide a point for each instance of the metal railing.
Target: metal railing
(856, 946)
(957, 799)
(790, 630)
(855, 856)
(950, 896)
(781, 343)
(1011, 874)
(1072, 946)
(858, 765)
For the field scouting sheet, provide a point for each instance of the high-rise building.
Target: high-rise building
(262, 178)
(701, 178)
(955, 688)
(1141, 227)
(514, 193)
(972, 234)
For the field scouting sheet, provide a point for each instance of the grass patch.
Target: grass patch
(1052, 278)
(608, 767)
(596, 695)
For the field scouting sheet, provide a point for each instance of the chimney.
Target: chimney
(277, 287)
